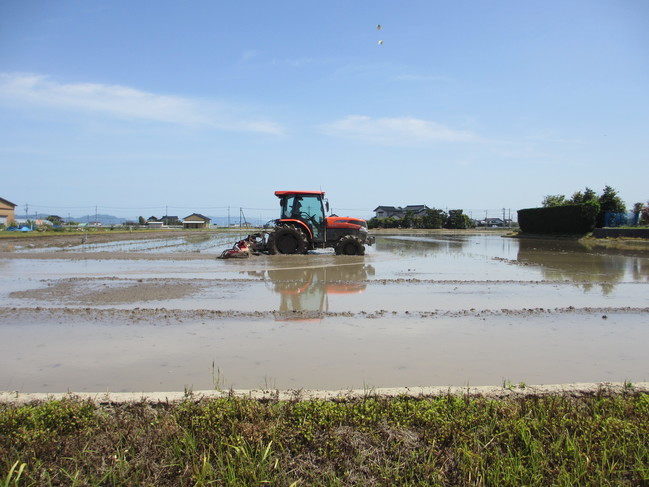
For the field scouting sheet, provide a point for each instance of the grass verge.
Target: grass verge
(601, 439)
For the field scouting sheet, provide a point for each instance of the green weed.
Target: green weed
(601, 439)
(9, 479)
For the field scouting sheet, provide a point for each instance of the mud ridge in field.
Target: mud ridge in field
(173, 316)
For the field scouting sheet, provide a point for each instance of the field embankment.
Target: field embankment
(599, 438)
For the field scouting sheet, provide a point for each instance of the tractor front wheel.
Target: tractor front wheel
(287, 239)
(350, 245)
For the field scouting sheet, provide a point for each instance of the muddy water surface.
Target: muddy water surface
(416, 310)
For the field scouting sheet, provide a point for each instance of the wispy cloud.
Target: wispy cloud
(395, 131)
(123, 102)
(249, 55)
(419, 77)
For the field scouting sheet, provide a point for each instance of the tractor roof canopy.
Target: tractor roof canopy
(281, 194)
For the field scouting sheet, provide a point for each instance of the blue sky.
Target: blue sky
(137, 107)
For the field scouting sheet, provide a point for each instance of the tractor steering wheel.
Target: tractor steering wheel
(309, 218)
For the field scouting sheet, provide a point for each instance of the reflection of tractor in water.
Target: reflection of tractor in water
(307, 289)
(302, 226)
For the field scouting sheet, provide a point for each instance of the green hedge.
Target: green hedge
(570, 219)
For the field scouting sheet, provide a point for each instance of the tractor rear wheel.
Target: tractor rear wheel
(287, 239)
(350, 245)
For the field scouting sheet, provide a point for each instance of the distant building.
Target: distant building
(7, 211)
(170, 220)
(398, 212)
(153, 222)
(416, 210)
(196, 220)
(387, 212)
(165, 221)
(492, 222)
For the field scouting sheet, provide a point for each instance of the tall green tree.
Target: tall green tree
(434, 218)
(609, 202)
(456, 219)
(644, 214)
(554, 200)
(408, 220)
(579, 197)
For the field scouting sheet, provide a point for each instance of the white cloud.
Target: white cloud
(395, 131)
(122, 102)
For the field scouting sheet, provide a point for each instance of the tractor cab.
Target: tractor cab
(305, 209)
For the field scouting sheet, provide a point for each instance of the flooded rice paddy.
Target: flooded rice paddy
(428, 309)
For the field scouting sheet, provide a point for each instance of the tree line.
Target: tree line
(431, 218)
(609, 202)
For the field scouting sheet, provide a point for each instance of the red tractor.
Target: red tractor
(302, 226)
